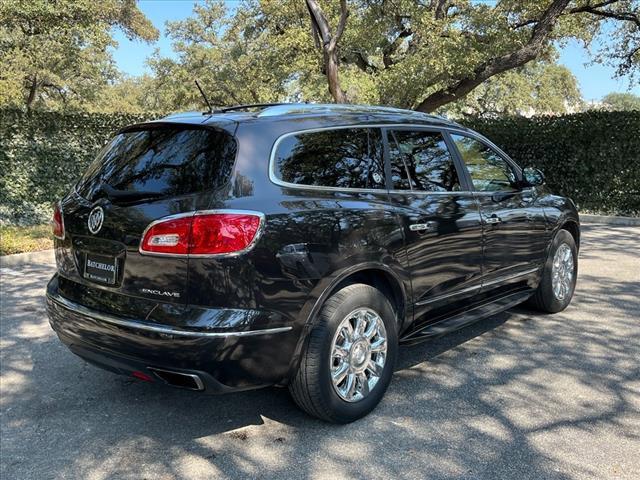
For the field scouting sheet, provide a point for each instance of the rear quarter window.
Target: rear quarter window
(164, 160)
(339, 158)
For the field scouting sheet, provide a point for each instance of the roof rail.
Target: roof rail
(301, 108)
(247, 106)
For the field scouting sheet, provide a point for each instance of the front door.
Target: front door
(514, 228)
(439, 218)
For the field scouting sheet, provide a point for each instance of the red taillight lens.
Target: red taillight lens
(202, 234)
(223, 233)
(169, 236)
(57, 223)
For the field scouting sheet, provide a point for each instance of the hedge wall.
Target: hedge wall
(41, 154)
(593, 157)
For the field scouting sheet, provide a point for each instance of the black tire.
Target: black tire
(312, 388)
(544, 298)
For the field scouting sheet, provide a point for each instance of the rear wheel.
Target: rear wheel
(349, 359)
(559, 276)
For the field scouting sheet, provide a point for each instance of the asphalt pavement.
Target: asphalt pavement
(520, 395)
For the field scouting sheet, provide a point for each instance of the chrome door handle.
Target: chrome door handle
(422, 227)
(492, 220)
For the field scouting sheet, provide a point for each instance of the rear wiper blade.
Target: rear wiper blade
(116, 195)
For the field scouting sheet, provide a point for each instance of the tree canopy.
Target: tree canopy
(465, 56)
(621, 102)
(57, 51)
(406, 53)
(537, 88)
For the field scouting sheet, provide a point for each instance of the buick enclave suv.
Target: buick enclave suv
(298, 245)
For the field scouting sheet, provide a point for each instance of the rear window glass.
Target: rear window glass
(161, 161)
(342, 158)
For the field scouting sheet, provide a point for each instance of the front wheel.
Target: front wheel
(559, 276)
(349, 359)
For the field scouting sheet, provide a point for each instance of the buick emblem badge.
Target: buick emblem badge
(96, 217)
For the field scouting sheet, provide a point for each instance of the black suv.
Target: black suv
(298, 245)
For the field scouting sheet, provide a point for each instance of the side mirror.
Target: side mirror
(533, 177)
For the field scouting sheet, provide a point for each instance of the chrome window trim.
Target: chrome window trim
(195, 213)
(495, 281)
(465, 193)
(282, 183)
(82, 310)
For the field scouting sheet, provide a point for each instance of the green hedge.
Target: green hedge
(592, 157)
(42, 153)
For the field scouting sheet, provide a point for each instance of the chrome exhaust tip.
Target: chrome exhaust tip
(187, 381)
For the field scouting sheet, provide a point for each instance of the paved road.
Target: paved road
(517, 396)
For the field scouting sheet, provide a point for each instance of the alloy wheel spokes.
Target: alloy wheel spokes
(358, 354)
(562, 272)
(340, 373)
(374, 368)
(364, 384)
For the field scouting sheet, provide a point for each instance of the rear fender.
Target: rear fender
(327, 286)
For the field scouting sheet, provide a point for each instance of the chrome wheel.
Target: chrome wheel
(358, 354)
(562, 272)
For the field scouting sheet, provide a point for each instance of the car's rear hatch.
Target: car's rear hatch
(146, 172)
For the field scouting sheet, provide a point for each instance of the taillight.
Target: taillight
(202, 233)
(57, 223)
(169, 236)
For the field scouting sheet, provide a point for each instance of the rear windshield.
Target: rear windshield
(161, 161)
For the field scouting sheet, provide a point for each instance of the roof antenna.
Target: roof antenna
(210, 111)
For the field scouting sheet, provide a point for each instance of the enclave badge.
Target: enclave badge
(96, 217)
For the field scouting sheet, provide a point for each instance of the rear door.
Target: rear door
(440, 221)
(514, 226)
(143, 174)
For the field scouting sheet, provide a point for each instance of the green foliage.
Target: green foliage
(591, 157)
(621, 102)
(42, 154)
(252, 56)
(55, 53)
(127, 95)
(541, 88)
(392, 53)
(25, 239)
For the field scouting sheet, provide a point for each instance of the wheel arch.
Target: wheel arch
(573, 228)
(384, 281)
(378, 275)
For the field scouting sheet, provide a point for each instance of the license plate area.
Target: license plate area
(100, 268)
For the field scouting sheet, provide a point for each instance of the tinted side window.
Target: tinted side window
(344, 158)
(420, 160)
(489, 171)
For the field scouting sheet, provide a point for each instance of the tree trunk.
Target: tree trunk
(328, 42)
(33, 90)
(331, 66)
(530, 51)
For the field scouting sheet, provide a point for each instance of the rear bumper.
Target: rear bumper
(223, 359)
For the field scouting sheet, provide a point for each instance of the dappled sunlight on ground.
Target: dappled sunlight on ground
(519, 395)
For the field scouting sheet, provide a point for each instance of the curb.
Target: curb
(46, 257)
(610, 220)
